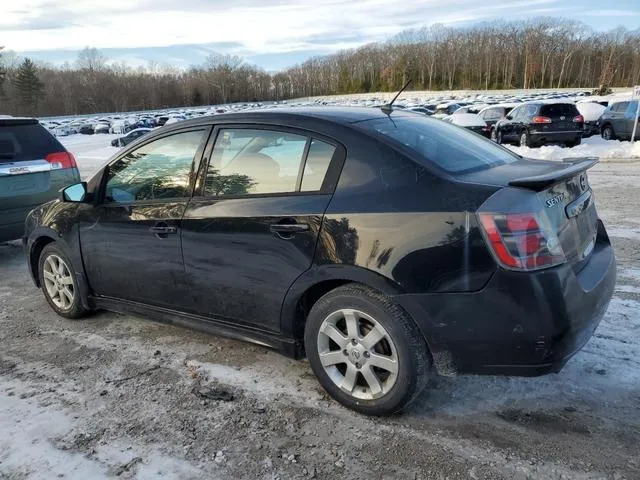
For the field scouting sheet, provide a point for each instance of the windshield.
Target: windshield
(452, 148)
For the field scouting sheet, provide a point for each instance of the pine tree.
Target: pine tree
(3, 73)
(28, 85)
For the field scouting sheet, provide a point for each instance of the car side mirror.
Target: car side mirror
(76, 193)
(509, 117)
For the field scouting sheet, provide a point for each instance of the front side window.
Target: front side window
(157, 170)
(454, 149)
(246, 162)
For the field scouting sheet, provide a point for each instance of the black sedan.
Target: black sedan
(129, 137)
(382, 245)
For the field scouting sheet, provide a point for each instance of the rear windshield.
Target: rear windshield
(452, 148)
(559, 110)
(26, 142)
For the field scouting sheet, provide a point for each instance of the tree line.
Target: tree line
(542, 53)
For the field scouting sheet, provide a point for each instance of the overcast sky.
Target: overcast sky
(272, 33)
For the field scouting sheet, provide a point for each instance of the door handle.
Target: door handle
(162, 230)
(289, 227)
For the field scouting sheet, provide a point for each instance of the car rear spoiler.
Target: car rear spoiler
(540, 182)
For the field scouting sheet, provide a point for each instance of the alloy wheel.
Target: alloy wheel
(58, 282)
(358, 354)
(523, 139)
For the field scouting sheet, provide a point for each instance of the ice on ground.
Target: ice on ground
(590, 147)
(32, 445)
(622, 232)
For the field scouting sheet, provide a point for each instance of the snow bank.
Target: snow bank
(590, 147)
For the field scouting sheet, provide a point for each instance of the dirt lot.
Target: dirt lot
(117, 396)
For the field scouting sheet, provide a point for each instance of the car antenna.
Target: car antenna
(388, 108)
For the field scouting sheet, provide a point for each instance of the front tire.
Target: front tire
(365, 351)
(499, 139)
(59, 282)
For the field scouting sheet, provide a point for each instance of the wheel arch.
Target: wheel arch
(35, 250)
(318, 281)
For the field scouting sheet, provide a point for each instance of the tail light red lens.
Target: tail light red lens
(541, 120)
(578, 119)
(60, 160)
(522, 241)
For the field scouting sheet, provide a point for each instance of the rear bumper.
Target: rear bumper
(17, 206)
(11, 231)
(522, 324)
(553, 137)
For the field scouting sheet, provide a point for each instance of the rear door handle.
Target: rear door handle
(162, 230)
(289, 227)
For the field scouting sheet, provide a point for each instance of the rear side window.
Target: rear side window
(492, 114)
(559, 110)
(26, 142)
(246, 162)
(315, 169)
(620, 107)
(454, 149)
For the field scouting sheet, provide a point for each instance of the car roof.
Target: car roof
(332, 114)
(9, 120)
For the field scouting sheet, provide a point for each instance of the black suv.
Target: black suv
(535, 124)
(381, 244)
(33, 167)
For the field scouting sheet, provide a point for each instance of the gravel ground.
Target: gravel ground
(118, 396)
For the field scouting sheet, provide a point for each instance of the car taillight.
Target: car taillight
(578, 119)
(61, 160)
(522, 241)
(541, 120)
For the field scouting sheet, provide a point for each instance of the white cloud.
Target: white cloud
(262, 26)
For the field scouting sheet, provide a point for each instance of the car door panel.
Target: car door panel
(507, 126)
(125, 259)
(131, 242)
(243, 251)
(237, 266)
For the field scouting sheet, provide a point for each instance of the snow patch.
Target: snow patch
(590, 147)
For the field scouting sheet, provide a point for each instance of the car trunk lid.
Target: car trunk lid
(563, 191)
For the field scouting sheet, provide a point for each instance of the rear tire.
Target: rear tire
(575, 143)
(59, 282)
(525, 140)
(608, 133)
(365, 350)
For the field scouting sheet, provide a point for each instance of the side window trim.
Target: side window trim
(193, 175)
(303, 163)
(329, 183)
